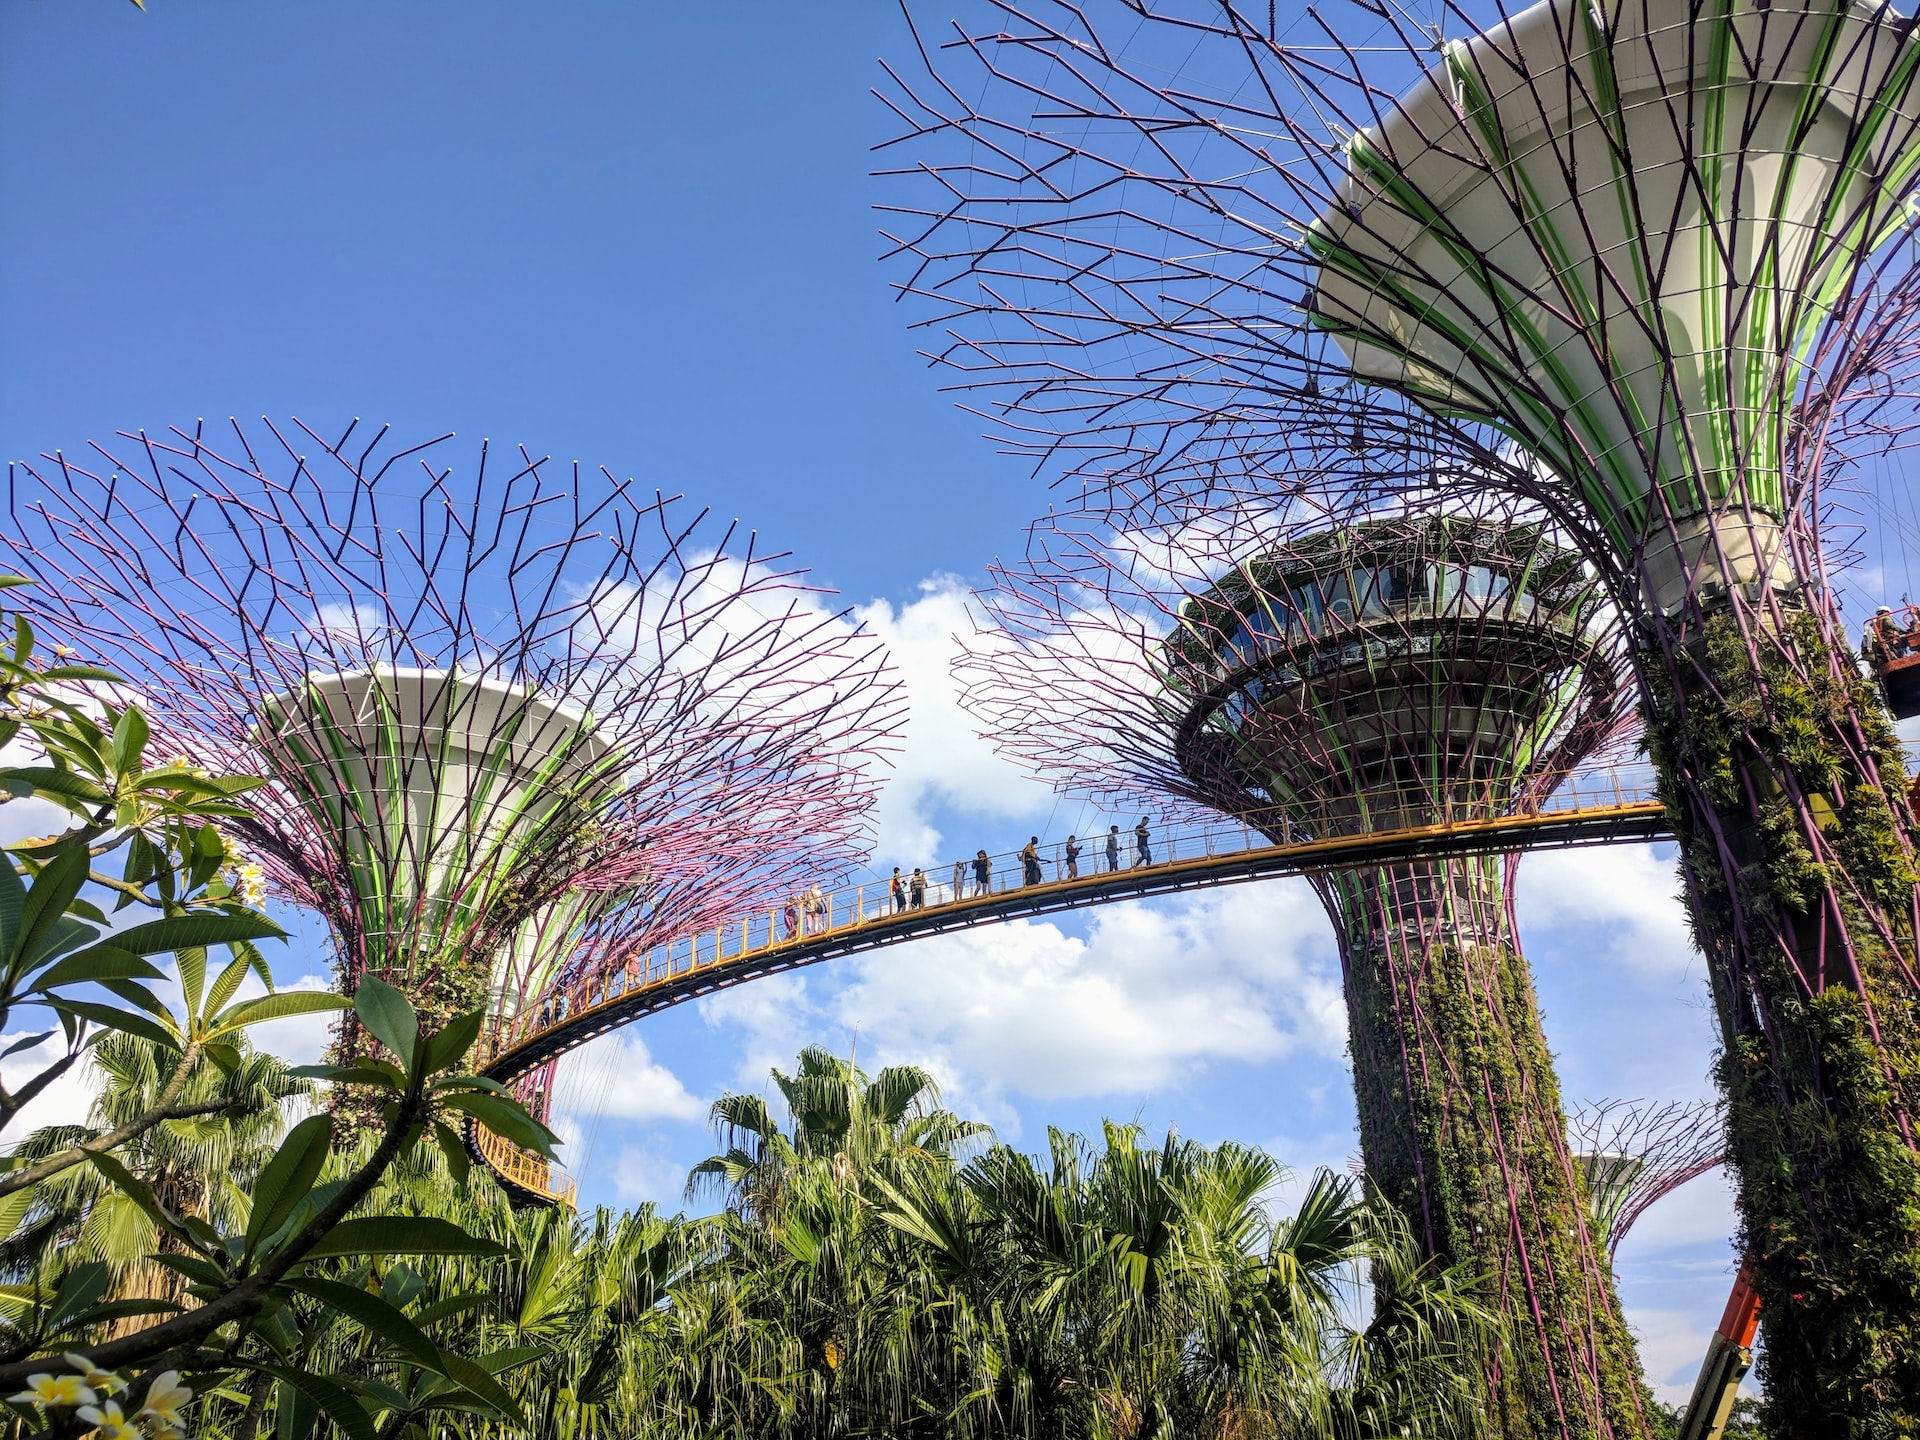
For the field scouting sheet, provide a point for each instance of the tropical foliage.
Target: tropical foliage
(882, 1268)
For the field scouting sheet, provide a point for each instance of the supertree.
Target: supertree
(517, 723)
(1647, 264)
(1633, 1153)
(1402, 669)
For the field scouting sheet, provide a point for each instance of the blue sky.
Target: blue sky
(640, 235)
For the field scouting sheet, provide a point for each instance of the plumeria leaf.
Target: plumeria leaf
(505, 1118)
(453, 1042)
(83, 1285)
(26, 1043)
(475, 1379)
(375, 1315)
(454, 1147)
(228, 980)
(454, 1083)
(181, 931)
(192, 960)
(277, 1006)
(388, 1017)
(287, 1178)
(201, 1272)
(114, 1019)
(335, 1401)
(96, 962)
(380, 1078)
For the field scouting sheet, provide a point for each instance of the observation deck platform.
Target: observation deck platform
(1587, 810)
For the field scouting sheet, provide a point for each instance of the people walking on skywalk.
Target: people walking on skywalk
(1113, 848)
(897, 888)
(1073, 857)
(1142, 844)
(918, 887)
(982, 874)
(1030, 862)
(792, 917)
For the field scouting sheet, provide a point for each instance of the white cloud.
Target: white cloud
(645, 1172)
(1672, 1346)
(943, 761)
(618, 1078)
(1621, 900)
(1153, 995)
(66, 1101)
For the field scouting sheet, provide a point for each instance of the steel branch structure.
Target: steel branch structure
(1633, 1153)
(520, 722)
(1408, 668)
(1647, 264)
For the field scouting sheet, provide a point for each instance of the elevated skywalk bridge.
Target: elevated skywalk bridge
(1598, 808)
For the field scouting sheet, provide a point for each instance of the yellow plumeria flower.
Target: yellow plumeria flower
(105, 1381)
(55, 1390)
(110, 1422)
(165, 1397)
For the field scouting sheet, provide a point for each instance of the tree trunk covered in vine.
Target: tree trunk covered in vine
(1784, 783)
(1462, 1128)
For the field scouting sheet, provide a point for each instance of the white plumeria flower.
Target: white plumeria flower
(111, 1423)
(55, 1390)
(105, 1381)
(165, 1397)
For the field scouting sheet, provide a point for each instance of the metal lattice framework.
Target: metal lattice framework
(519, 724)
(1401, 669)
(1634, 1153)
(1647, 264)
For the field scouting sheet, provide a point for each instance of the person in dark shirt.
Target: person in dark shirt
(897, 888)
(1142, 844)
(1073, 857)
(1113, 847)
(982, 874)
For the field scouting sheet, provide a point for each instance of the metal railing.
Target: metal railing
(819, 915)
(526, 1171)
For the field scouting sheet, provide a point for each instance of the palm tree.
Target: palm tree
(840, 1116)
(1138, 1292)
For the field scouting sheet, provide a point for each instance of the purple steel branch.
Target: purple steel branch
(216, 572)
